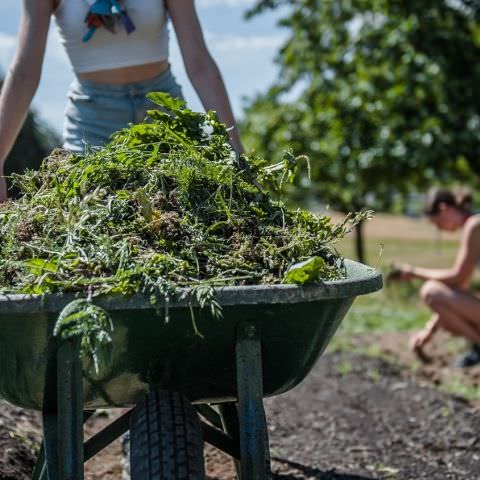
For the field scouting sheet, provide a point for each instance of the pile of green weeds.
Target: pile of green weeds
(166, 204)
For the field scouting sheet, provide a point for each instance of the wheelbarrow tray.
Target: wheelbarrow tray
(295, 324)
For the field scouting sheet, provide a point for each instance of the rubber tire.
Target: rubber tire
(166, 441)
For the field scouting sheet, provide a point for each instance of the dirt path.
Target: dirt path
(354, 418)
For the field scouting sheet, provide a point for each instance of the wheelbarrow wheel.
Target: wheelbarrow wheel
(166, 441)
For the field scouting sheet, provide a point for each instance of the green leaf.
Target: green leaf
(145, 204)
(38, 266)
(305, 272)
(166, 101)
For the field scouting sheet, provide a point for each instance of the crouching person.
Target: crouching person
(446, 292)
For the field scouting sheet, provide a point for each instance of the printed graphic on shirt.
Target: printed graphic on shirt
(106, 13)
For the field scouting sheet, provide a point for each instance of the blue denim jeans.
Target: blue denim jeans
(94, 111)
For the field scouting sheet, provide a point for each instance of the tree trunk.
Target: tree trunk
(360, 242)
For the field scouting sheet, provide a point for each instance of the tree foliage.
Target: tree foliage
(381, 94)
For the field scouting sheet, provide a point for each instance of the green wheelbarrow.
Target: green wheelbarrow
(184, 389)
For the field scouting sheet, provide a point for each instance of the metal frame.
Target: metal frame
(239, 429)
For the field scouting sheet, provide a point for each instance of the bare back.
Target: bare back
(469, 251)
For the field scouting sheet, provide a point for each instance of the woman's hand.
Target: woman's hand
(418, 342)
(401, 272)
(405, 272)
(421, 338)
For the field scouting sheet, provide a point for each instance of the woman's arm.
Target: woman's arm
(23, 76)
(200, 66)
(462, 270)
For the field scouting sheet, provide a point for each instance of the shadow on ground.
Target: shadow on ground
(313, 473)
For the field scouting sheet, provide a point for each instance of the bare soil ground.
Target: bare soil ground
(441, 371)
(363, 416)
(20, 439)
(358, 417)
(355, 417)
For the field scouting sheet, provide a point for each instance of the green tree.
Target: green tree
(33, 144)
(383, 95)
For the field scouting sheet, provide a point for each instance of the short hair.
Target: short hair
(460, 199)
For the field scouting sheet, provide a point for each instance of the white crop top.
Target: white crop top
(106, 50)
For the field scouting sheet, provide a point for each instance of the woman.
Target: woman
(113, 70)
(445, 291)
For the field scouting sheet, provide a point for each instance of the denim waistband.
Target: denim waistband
(160, 82)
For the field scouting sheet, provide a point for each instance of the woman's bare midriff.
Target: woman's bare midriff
(120, 76)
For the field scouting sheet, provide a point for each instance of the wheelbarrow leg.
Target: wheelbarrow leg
(63, 424)
(252, 423)
(50, 435)
(70, 411)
